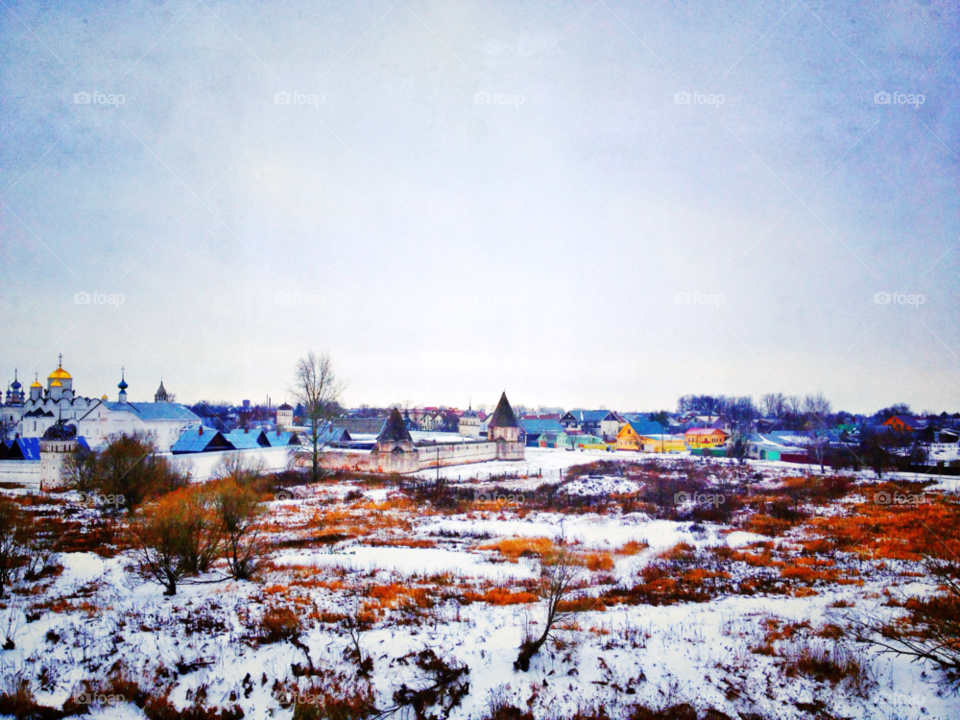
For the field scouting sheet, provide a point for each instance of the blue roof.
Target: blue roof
(192, 441)
(280, 439)
(153, 411)
(538, 427)
(588, 415)
(29, 448)
(243, 440)
(646, 427)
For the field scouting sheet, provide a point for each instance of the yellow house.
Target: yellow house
(630, 439)
(705, 438)
(664, 443)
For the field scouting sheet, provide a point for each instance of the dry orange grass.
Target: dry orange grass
(514, 548)
(896, 531)
(632, 548)
(501, 596)
(598, 561)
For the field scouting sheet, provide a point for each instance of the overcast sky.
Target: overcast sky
(583, 203)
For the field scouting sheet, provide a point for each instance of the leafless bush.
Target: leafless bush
(559, 570)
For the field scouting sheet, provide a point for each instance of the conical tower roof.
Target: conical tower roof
(503, 416)
(394, 429)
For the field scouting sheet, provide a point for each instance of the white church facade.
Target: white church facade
(96, 419)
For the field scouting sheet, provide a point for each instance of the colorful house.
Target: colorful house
(905, 423)
(644, 441)
(664, 443)
(697, 438)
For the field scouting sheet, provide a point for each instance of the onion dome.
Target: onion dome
(123, 383)
(60, 431)
(59, 373)
(56, 383)
(104, 398)
(35, 384)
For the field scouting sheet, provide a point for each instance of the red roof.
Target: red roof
(704, 431)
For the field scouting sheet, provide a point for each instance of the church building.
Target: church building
(97, 419)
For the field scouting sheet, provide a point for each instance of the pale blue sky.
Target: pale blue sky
(570, 240)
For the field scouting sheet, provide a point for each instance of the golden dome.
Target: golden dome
(104, 397)
(56, 383)
(35, 384)
(59, 374)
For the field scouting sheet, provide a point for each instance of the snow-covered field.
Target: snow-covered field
(459, 577)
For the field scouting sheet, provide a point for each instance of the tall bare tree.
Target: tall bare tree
(317, 388)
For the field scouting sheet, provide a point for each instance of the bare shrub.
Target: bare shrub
(239, 510)
(559, 570)
(930, 629)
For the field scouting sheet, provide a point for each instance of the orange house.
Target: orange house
(903, 423)
(705, 438)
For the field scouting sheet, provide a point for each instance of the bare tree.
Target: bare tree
(816, 409)
(317, 388)
(774, 404)
(559, 571)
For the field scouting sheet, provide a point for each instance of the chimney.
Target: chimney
(201, 430)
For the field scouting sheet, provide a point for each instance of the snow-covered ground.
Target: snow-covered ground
(99, 611)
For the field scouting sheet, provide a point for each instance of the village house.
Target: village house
(701, 438)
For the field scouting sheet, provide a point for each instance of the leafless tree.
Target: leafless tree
(317, 388)
(816, 409)
(559, 570)
(774, 404)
